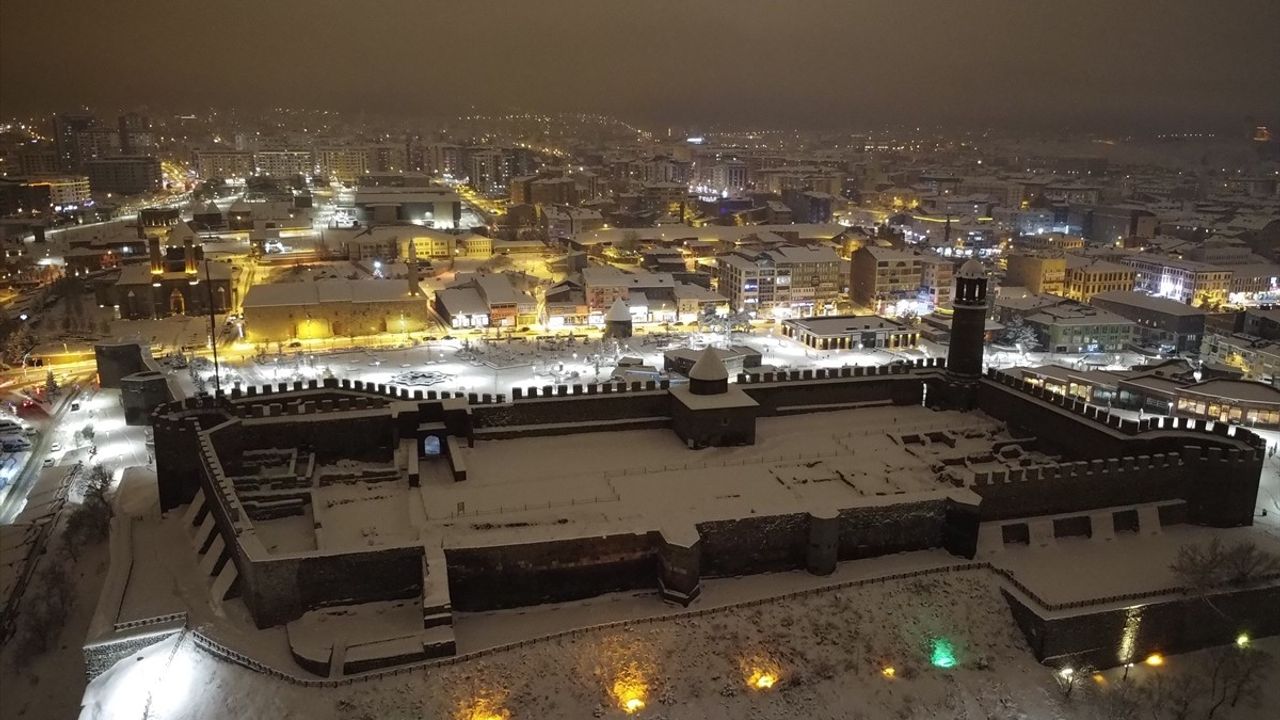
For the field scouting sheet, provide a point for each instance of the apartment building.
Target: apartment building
(788, 280)
(1086, 277)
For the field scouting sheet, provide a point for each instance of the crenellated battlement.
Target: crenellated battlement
(1101, 416)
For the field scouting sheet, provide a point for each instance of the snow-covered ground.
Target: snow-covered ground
(927, 647)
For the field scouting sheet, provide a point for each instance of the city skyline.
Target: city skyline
(992, 64)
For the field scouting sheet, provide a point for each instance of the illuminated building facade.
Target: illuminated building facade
(1187, 281)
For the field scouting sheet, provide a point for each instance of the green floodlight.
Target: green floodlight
(944, 654)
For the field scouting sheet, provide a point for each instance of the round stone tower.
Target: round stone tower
(968, 323)
(709, 376)
(617, 322)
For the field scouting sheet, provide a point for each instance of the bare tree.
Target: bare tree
(90, 522)
(1207, 686)
(1203, 567)
(1244, 564)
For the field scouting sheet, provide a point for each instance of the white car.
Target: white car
(48, 462)
(55, 447)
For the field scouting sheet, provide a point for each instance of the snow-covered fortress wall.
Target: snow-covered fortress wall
(1133, 628)
(1212, 470)
(1113, 461)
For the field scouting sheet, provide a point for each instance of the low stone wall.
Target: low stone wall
(101, 655)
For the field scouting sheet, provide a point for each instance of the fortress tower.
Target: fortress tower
(968, 323)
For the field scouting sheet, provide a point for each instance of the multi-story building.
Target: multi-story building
(1255, 282)
(729, 175)
(649, 296)
(487, 170)
(387, 157)
(564, 221)
(553, 191)
(224, 163)
(284, 163)
(789, 280)
(38, 160)
(136, 137)
(1257, 358)
(1186, 281)
(65, 192)
(66, 137)
(664, 197)
(1039, 273)
(1071, 327)
(809, 206)
(480, 300)
(1109, 224)
(664, 169)
(1086, 277)
(1159, 321)
(446, 160)
(98, 142)
(1050, 242)
(343, 164)
(937, 281)
(124, 175)
(881, 276)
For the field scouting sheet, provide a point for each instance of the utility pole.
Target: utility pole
(213, 330)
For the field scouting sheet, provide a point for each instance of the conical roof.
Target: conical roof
(709, 367)
(618, 312)
(178, 234)
(211, 209)
(240, 206)
(972, 270)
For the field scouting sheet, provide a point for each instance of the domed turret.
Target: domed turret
(972, 270)
(709, 376)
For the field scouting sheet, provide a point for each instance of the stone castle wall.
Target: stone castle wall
(513, 575)
(1109, 637)
(1214, 479)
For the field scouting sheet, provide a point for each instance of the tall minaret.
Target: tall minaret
(968, 323)
(411, 265)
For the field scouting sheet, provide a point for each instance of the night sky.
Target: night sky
(1166, 64)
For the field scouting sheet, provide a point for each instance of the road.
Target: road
(16, 496)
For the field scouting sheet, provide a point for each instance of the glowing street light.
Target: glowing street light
(889, 672)
(1154, 660)
(1242, 640)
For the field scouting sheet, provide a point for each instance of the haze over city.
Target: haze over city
(673, 360)
(1039, 65)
